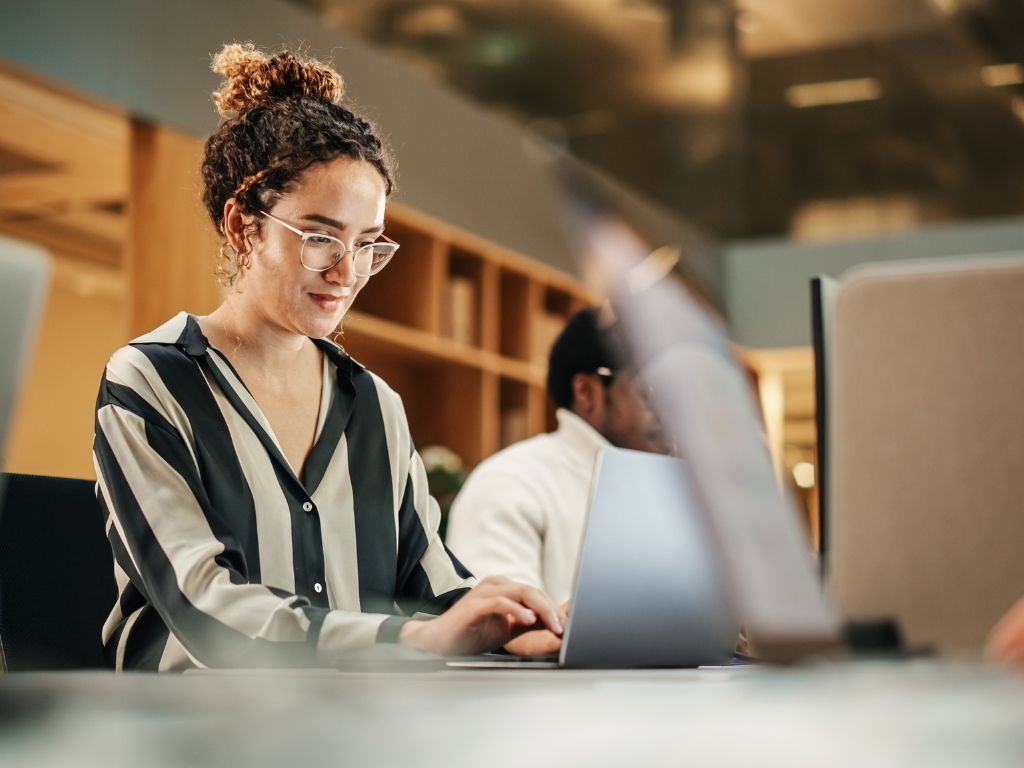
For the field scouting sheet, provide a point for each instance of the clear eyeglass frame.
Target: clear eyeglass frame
(322, 252)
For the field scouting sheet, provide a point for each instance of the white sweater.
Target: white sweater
(521, 512)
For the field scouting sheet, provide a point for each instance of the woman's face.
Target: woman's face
(344, 198)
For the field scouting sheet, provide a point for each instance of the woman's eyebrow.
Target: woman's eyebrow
(338, 224)
(324, 220)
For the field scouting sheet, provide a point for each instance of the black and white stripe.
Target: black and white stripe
(223, 558)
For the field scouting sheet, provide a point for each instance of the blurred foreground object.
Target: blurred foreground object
(1006, 643)
(705, 404)
(24, 280)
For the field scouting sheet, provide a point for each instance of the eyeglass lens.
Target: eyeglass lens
(322, 253)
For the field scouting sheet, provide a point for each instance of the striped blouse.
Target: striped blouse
(223, 557)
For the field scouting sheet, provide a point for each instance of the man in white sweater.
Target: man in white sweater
(520, 513)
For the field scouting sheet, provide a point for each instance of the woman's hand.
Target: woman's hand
(489, 616)
(539, 641)
(535, 643)
(1006, 643)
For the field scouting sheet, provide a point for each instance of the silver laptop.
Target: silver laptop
(648, 591)
(24, 279)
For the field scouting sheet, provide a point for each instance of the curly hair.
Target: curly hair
(282, 113)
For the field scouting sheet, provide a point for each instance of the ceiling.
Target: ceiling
(692, 102)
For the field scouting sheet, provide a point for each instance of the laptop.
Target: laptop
(24, 280)
(648, 591)
(707, 406)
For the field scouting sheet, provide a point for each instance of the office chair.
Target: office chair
(56, 574)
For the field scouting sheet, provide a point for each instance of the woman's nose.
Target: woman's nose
(344, 271)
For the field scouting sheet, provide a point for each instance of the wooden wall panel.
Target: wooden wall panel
(85, 321)
(172, 246)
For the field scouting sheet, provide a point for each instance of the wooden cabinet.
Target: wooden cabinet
(461, 328)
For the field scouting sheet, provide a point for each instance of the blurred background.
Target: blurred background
(770, 140)
(749, 117)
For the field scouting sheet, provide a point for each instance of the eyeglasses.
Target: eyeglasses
(644, 390)
(321, 252)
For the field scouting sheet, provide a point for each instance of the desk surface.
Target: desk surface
(866, 714)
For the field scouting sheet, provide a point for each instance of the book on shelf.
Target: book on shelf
(544, 330)
(460, 309)
(515, 426)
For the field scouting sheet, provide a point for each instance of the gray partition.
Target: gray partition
(927, 447)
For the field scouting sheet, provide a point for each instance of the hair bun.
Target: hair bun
(252, 78)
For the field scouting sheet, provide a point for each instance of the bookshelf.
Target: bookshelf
(461, 328)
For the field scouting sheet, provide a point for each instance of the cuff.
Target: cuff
(388, 630)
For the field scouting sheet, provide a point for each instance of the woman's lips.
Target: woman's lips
(327, 302)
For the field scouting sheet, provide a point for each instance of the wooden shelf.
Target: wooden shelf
(461, 329)
(784, 382)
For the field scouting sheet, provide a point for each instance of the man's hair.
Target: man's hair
(585, 344)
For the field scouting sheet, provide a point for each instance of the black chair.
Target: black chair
(56, 574)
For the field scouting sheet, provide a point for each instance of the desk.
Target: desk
(867, 714)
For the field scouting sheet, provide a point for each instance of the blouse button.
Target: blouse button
(308, 507)
(317, 588)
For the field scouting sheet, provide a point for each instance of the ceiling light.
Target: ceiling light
(644, 10)
(1017, 106)
(945, 7)
(431, 21)
(703, 79)
(747, 22)
(834, 92)
(1002, 74)
(803, 474)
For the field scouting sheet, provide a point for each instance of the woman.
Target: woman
(264, 503)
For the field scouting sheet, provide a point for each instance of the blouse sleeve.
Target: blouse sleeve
(430, 578)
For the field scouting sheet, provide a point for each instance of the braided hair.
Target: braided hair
(282, 113)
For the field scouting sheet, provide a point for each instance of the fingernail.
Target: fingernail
(529, 617)
(556, 627)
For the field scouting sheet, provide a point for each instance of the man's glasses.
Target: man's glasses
(642, 389)
(321, 252)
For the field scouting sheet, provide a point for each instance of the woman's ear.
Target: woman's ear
(234, 225)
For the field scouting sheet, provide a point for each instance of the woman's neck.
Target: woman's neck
(256, 348)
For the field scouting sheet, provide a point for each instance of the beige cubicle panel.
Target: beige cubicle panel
(927, 450)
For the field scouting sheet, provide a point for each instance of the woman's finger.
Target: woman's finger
(544, 606)
(531, 597)
(502, 605)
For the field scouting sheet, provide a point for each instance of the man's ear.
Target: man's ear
(588, 396)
